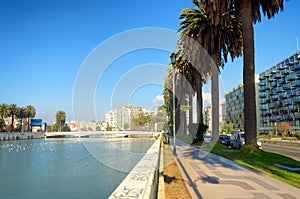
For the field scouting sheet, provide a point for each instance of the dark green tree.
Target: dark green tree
(30, 112)
(21, 114)
(60, 119)
(13, 110)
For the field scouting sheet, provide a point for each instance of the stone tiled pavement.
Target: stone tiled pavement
(211, 177)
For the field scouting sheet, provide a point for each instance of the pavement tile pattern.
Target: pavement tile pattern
(212, 176)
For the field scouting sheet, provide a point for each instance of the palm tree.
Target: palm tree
(60, 119)
(30, 113)
(247, 12)
(191, 83)
(13, 110)
(218, 41)
(4, 111)
(21, 113)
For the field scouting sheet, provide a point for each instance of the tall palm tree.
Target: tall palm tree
(13, 110)
(247, 12)
(30, 112)
(218, 41)
(21, 113)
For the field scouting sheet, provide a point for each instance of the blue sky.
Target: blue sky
(44, 43)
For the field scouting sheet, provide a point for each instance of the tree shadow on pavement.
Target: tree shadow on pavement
(169, 179)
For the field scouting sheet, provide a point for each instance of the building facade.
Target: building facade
(207, 116)
(234, 100)
(111, 118)
(279, 95)
(235, 107)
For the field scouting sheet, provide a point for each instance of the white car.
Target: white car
(238, 140)
(207, 137)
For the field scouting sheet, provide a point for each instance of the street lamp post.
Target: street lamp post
(173, 61)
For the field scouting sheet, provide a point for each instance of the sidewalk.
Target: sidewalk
(210, 176)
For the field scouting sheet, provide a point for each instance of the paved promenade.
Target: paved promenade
(210, 176)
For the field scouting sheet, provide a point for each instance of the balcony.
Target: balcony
(291, 77)
(265, 101)
(295, 67)
(281, 67)
(262, 83)
(296, 99)
(262, 77)
(264, 88)
(283, 95)
(274, 98)
(281, 81)
(286, 87)
(285, 72)
(277, 76)
(271, 106)
(292, 93)
(295, 83)
(264, 108)
(273, 72)
(273, 84)
(263, 95)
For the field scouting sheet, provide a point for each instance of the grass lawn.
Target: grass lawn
(262, 161)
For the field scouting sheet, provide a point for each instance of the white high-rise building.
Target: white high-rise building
(111, 118)
(124, 117)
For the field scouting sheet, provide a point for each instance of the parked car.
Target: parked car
(207, 137)
(225, 139)
(238, 140)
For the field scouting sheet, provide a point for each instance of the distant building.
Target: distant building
(74, 126)
(207, 116)
(124, 117)
(111, 119)
(87, 126)
(279, 94)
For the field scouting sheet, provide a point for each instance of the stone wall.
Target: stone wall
(142, 181)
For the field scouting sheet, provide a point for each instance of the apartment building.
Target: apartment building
(234, 100)
(279, 94)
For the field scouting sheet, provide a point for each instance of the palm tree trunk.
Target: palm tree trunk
(248, 72)
(215, 102)
(190, 111)
(28, 124)
(199, 98)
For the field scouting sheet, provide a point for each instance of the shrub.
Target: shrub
(250, 149)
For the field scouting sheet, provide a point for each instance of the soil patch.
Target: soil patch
(174, 183)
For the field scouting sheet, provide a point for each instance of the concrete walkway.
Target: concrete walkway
(210, 176)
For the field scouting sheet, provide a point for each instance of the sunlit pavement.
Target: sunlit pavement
(211, 176)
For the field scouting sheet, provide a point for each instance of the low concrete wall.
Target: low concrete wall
(20, 136)
(142, 181)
